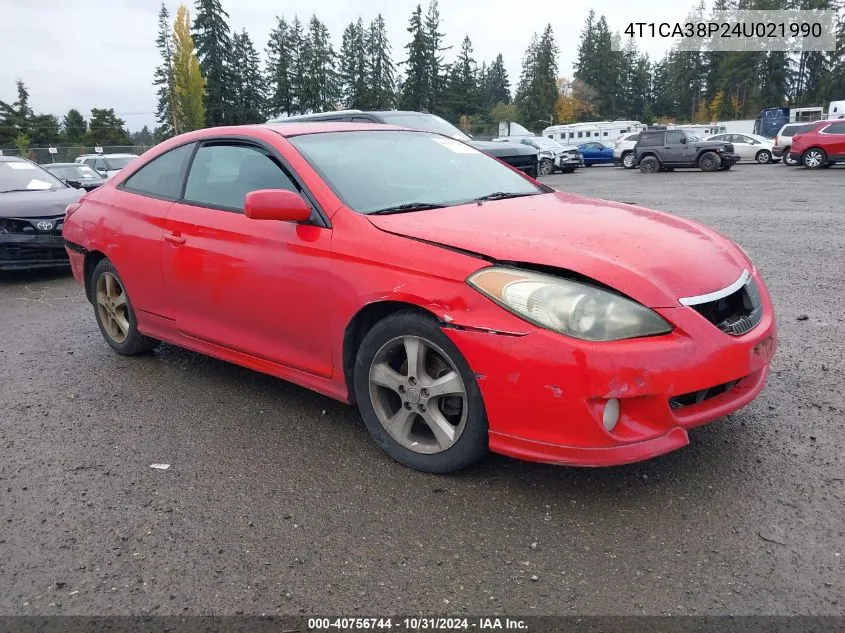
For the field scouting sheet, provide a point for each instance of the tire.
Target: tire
(588, 164)
(764, 157)
(567, 170)
(814, 158)
(386, 390)
(787, 160)
(545, 167)
(709, 161)
(649, 165)
(628, 160)
(114, 313)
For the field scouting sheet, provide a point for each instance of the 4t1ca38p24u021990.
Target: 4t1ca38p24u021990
(462, 305)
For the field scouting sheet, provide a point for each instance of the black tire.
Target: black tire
(471, 445)
(134, 342)
(628, 160)
(649, 165)
(814, 158)
(709, 161)
(764, 157)
(568, 170)
(545, 167)
(789, 162)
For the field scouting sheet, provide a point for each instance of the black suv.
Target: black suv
(523, 157)
(659, 149)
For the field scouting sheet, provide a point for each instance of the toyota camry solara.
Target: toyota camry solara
(460, 304)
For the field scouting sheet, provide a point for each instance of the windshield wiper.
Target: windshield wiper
(16, 190)
(407, 207)
(503, 195)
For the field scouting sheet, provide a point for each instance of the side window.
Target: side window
(835, 128)
(162, 176)
(362, 119)
(91, 162)
(581, 134)
(719, 137)
(223, 173)
(674, 138)
(651, 140)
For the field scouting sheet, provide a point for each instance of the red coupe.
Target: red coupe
(462, 305)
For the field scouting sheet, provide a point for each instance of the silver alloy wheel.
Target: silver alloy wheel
(764, 157)
(813, 158)
(628, 160)
(112, 307)
(418, 394)
(546, 167)
(787, 160)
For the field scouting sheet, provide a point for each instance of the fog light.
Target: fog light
(610, 416)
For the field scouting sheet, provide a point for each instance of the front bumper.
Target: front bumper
(568, 161)
(548, 406)
(30, 251)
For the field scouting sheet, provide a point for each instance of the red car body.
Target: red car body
(286, 299)
(820, 146)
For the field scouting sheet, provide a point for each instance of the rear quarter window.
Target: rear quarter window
(650, 139)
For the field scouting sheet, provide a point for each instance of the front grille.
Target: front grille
(29, 226)
(737, 313)
(697, 397)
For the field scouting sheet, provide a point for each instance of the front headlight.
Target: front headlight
(569, 307)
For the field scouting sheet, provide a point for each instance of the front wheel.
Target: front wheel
(546, 167)
(814, 158)
(709, 161)
(764, 157)
(649, 165)
(418, 396)
(114, 312)
(628, 160)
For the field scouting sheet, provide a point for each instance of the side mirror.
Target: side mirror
(683, 140)
(276, 204)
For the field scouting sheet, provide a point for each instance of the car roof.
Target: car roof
(318, 116)
(320, 127)
(45, 165)
(11, 159)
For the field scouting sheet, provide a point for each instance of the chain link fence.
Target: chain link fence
(42, 155)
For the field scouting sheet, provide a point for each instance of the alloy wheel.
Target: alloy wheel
(628, 161)
(813, 158)
(418, 394)
(546, 167)
(764, 157)
(112, 307)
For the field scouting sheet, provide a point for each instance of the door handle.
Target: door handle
(174, 238)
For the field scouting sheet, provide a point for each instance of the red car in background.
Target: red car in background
(820, 146)
(462, 305)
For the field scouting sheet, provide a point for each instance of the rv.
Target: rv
(605, 131)
(771, 120)
(703, 130)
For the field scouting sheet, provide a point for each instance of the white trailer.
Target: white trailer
(604, 131)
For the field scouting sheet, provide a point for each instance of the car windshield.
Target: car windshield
(378, 170)
(25, 176)
(71, 172)
(427, 122)
(119, 162)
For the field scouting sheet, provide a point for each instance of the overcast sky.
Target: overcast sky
(102, 53)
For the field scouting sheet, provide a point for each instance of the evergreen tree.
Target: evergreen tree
(188, 83)
(16, 118)
(105, 128)
(494, 84)
(321, 89)
(353, 65)
(462, 85)
(585, 65)
(280, 97)
(416, 87)
(300, 61)
(537, 93)
(143, 137)
(214, 44)
(74, 126)
(166, 115)
(435, 67)
(248, 84)
(380, 71)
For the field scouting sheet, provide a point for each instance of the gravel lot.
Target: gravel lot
(276, 500)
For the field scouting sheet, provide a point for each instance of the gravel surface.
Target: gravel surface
(276, 501)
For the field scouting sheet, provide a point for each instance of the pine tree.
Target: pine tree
(321, 89)
(280, 98)
(537, 93)
(462, 85)
(16, 118)
(74, 126)
(300, 61)
(105, 128)
(166, 115)
(247, 85)
(498, 84)
(188, 83)
(416, 87)
(214, 44)
(436, 69)
(585, 66)
(353, 65)
(380, 71)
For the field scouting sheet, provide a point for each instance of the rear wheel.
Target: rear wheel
(628, 160)
(114, 312)
(709, 161)
(546, 167)
(787, 160)
(763, 157)
(649, 165)
(814, 158)
(417, 395)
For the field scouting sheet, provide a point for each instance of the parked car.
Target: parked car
(821, 146)
(387, 282)
(661, 149)
(553, 156)
(107, 165)
(517, 155)
(76, 175)
(32, 210)
(783, 140)
(623, 150)
(596, 153)
(748, 147)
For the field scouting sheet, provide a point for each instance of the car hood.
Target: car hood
(36, 204)
(653, 257)
(503, 149)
